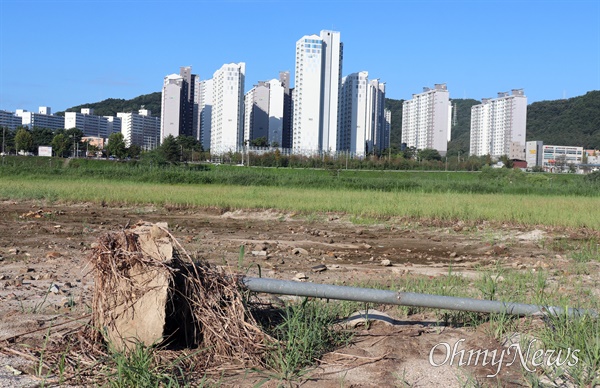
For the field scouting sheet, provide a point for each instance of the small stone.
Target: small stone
(261, 247)
(53, 255)
(300, 276)
(453, 254)
(367, 246)
(319, 268)
(300, 251)
(259, 253)
(499, 249)
(386, 263)
(399, 271)
(54, 289)
(333, 266)
(94, 245)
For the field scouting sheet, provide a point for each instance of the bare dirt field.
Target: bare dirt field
(44, 247)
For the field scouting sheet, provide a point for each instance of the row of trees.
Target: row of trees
(63, 141)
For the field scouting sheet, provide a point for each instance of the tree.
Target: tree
(409, 152)
(23, 140)
(169, 149)
(259, 142)
(187, 145)
(508, 163)
(429, 154)
(116, 145)
(41, 136)
(60, 143)
(134, 151)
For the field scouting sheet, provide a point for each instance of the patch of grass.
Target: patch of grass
(304, 334)
(138, 368)
(570, 334)
(588, 250)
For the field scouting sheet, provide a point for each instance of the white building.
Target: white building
(180, 104)
(553, 158)
(10, 120)
(426, 119)
(332, 76)
(306, 125)
(170, 106)
(498, 126)
(205, 104)
(276, 112)
(140, 129)
(361, 117)
(92, 125)
(316, 92)
(353, 114)
(227, 124)
(43, 119)
(264, 111)
(388, 128)
(377, 136)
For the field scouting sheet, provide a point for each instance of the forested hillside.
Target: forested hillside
(111, 106)
(573, 122)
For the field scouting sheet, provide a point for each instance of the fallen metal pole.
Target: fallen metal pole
(357, 294)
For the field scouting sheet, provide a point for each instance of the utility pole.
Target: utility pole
(3, 140)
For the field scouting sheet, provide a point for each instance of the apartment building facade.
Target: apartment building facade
(227, 119)
(498, 126)
(426, 119)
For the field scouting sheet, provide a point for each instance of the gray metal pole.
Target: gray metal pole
(326, 291)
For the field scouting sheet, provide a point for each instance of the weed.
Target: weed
(304, 334)
(137, 367)
(574, 334)
(588, 251)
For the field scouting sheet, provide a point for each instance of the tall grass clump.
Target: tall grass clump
(568, 334)
(305, 332)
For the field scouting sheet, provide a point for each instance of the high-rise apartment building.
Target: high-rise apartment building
(498, 126)
(264, 113)
(332, 76)
(317, 84)
(388, 129)
(43, 119)
(377, 137)
(353, 114)
(426, 119)
(227, 124)
(179, 107)
(361, 117)
(92, 125)
(286, 137)
(205, 104)
(140, 129)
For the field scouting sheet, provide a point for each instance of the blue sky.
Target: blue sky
(71, 52)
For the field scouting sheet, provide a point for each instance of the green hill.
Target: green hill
(111, 106)
(572, 122)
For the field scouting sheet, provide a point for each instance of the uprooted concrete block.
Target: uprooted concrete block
(148, 290)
